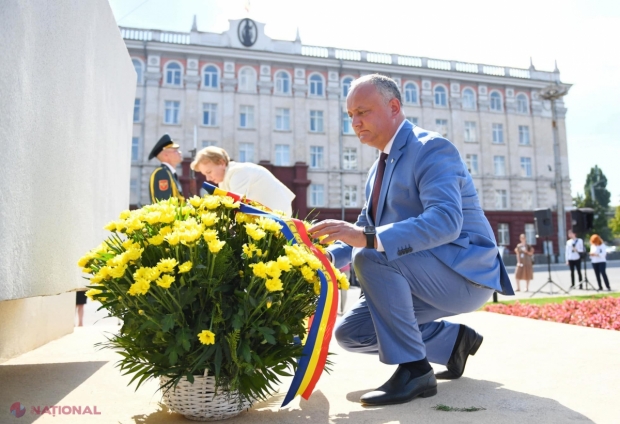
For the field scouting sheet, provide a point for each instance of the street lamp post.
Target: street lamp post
(552, 93)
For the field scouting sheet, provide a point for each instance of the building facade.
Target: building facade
(282, 104)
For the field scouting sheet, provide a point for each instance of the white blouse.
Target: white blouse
(601, 252)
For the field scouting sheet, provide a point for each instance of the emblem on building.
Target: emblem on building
(247, 32)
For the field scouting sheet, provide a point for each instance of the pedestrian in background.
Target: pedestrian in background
(574, 252)
(598, 257)
(525, 269)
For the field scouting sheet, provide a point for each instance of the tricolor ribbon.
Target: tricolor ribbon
(314, 353)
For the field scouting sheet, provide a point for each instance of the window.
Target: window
(316, 121)
(283, 83)
(469, 99)
(173, 74)
(522, 104)
(501, 199)
(209, 114)
(442, 126)
(136, 110)
(498, 133)
(347, 128)
(246, 152)
(135, 148)
(247, 79)
(413, 120)
(499, 163)
(470, 131)
(317, 197)
(207, 143)
(210, 77)
(171, 113)
(411, 93)
(496, 101)
(524, 135)
(283, 155)
(530, 234)
(346, 86)
(440, 96)
(246, 116)
(133, 187)
(350, 195)
(283, 119)
(316, 85)
(349, 160)
(503, 234)
(139, 71)
(471, 161)
(528, 201)
(526, 167)
(316, 157)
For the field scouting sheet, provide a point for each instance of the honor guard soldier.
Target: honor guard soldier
(164, 182)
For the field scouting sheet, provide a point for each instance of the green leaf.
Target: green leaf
(167, 323)
(237, 322)
(173, 357)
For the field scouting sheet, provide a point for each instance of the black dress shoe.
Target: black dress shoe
(467, 343)
(401, 388)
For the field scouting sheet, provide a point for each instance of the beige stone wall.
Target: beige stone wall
(68, 88)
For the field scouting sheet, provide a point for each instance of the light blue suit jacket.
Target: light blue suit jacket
(428, 202)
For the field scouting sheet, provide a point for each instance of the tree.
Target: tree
(614, 223)
(597, 197)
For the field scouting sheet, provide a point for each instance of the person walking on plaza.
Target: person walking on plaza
(421, 248)
(246, 179)
(164, 182)
(573, 254)
(524, 269)
(598, 257)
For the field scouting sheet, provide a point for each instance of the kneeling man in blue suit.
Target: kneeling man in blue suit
(422, 249)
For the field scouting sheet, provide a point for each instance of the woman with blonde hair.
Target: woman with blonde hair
(598, 256)
(244, 178)
(525, 269)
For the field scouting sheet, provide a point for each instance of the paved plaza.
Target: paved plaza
(526, 371)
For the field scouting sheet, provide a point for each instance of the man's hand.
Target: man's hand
(339, 230)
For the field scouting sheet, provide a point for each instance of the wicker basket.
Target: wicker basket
(197, 401)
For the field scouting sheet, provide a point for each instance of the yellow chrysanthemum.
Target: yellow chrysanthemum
(273, 270)
(152, 218)
(156, 240)
(93, 292)
(140, 287)
(189, 237)
(165, 281)
(209, 218)
(248, 249)
(167, 265)
(206, 337)
(308, 274)
(242, 217)
(284, 263)
(229, 202)
(268, 224)
(164, 231)
(254, 232)
(273, 284)
(210, 202)
(134, 254)
(96, 279)
(209, 235)
(125, 214)
(259, 269)
(185, 267)
(216, 245)
(317, 287)
(104, 272)
(295, 255)
(313, 261)
(173, 238)
(111, 226)
(195, 201)
(118, 271)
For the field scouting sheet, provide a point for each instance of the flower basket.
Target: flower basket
(204, 287)
(200, 401)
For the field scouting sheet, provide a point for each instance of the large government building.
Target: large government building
(282, 104)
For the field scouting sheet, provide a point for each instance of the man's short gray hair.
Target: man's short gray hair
(385, 85)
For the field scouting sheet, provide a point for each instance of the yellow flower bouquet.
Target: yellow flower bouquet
(201, 286)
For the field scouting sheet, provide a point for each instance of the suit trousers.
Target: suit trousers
(574, 265)
(402, 300)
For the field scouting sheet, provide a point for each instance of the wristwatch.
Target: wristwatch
(370, 232)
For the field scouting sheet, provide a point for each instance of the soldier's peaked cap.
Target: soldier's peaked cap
(165, 142)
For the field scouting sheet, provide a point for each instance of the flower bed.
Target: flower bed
(600, 313)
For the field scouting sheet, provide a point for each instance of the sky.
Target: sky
(582, 35)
